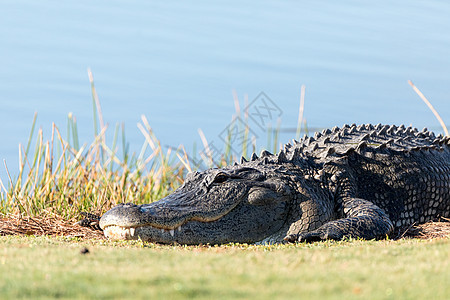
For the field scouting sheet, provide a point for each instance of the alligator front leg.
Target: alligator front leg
(363, 220)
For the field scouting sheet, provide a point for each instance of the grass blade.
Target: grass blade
(430, 106)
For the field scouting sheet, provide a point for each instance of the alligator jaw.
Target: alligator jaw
(120, 233)
(150, 228)
(115, 232)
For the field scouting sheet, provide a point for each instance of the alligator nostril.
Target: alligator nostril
(147, 210)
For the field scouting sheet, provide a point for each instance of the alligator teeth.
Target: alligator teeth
(163, 230)
(132, 230)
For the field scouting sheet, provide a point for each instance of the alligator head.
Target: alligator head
(233, 204)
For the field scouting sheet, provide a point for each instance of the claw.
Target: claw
(309, 237)
(292, 238)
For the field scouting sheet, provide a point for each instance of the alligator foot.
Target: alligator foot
(90, 220)
(313, 236)
(356, 227)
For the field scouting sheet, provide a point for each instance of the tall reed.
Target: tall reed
(63, 177)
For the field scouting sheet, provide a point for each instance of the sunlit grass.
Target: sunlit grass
(40, 267)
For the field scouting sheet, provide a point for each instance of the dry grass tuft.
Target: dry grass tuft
(430, 230)
(50, 225)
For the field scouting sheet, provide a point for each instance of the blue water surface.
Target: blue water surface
(178, 62)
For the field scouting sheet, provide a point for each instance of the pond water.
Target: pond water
(178, 64)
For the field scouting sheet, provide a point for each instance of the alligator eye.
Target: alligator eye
(220, 178)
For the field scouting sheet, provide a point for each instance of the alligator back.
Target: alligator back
(401, 170)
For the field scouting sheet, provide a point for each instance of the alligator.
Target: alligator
(363, 181)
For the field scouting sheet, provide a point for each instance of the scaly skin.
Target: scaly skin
(360, 182)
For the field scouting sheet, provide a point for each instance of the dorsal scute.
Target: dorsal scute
(356, 139)
(254, 157)
(265, 153)
(378, 137)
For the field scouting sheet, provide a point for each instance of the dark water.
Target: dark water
(178, 63)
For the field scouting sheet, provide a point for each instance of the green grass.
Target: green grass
(40, 267)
